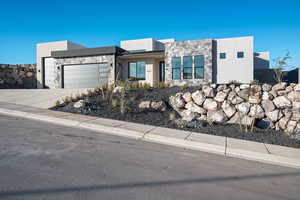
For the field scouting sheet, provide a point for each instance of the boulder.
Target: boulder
(237, 89)
(210, 104)
(273, 93)
(228, 109)
(213, 85)
(144, 105)
(282, 102)
(296, 106)
(244, 94)
(208, 91)
(221, 87)
(158, 105)
(268, 105)
(266, 96)
(191, 106)
(187, 97)
(118, 89)
(289, 89)
(235, 119)
(287, 113)
(257, 111)
(297, 87)
(232, 86)
(247, 120)
(79, 104)
(177, 101)
(256, 88)
(243, 107)
(244, 86)
(274, 115)
(266, 87)
(296, 116)
(221, 96)
(217, 116)
(188, 115)
(282, 123)
(254, 99)
(279, 86)
(198, 97)
(282, 92)
(294, 96)
(234, 98)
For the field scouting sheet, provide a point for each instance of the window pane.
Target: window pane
(199, 61)
(140, 70)
(187, 73)
(199, 72)
(187, 61)
(176, 62)
(132, 70)
(222, 55)
(176, 73)
(240, 54)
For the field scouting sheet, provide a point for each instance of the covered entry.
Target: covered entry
(85, 75)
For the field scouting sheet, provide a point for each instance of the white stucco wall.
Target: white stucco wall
(140, 44)
(44, 50)
(233, 68)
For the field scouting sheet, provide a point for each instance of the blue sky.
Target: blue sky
(274, 24)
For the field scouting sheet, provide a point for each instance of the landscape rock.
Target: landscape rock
(266, 87)
(289, 88)
(217, 116)
(254, 100)
(234, 98)
(282, 102)
(210, 104)
(144, 105)
(188, 115)
(256, 88)
(228, 109)
(221, 96)
(282, 123)
(187, 97)
(244, 94)
(273, 93)
(221, 87)
(267, 96)
(244, 86)
(79, 104)
(208, 91)
(191, 106)
(118, 89)
(177, 101)
(247, 120)
(297, 87)
(279, 86)
(282, 92)
(158, 105)
(198, 97)
(243, 107)
(257, 112)
(268, 105)
(274, 115)
(294, 96)
(296, 105)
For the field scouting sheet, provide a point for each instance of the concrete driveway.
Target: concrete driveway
(40, 98)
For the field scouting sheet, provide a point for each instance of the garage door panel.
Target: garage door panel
(84, 76)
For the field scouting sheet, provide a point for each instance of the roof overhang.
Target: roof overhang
(147, 54)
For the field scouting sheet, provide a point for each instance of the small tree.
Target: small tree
(280, 65)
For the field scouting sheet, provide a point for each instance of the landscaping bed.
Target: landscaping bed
(106, 104)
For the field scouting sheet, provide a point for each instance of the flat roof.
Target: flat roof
(159, 53)
(87, 52)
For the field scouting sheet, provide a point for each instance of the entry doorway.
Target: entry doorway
(162, 71)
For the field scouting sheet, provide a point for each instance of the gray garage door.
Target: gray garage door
(85, 75)
(49, 70)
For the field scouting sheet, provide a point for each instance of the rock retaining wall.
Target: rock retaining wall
(18, 76)
(276, 107)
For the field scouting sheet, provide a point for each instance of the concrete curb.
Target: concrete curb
(166, 139)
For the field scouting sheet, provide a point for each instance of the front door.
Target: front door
(162, 71)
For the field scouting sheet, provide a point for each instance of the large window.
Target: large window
(176, 67)
(199, 67)
(187, 67)
(136, 70)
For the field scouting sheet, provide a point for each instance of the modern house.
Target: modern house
(65, 64)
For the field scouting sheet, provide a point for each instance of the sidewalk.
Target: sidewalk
(255, 151)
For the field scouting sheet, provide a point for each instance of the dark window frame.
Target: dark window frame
(199, 67)
(135, 78)
(176, 68)
(184, 76)
(240, 54)
(222, 55)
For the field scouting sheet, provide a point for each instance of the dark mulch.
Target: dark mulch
(105, 110)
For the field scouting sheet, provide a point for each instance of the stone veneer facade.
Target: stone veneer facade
(60, 62)
(189, 48)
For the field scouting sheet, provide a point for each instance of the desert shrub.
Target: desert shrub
(115, 102)
(163, 85)
(184, 87)
(57, 103)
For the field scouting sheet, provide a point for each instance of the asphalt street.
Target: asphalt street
(45, 161)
